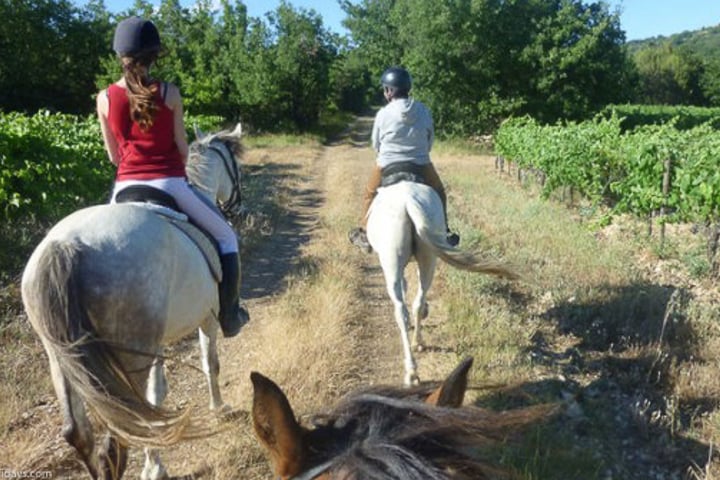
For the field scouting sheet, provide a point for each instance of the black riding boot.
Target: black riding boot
(232, 316)
(452, 238)
(358, 237)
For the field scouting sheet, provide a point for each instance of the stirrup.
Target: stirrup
(452, 238)
(358, 237)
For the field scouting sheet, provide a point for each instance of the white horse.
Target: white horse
(106, 290)
(406, 220)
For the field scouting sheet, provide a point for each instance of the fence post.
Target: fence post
(666, 193)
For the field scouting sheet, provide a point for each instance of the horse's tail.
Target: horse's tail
(434, 235)
(54, 302)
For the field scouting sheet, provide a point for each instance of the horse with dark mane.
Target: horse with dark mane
(385, 433)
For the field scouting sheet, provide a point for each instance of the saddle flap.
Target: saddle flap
(206, 246)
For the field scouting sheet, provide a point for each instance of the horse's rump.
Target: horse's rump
(98, 290)
(426, 223)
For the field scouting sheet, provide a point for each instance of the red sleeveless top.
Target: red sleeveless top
(144, 155)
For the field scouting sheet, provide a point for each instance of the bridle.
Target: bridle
(231, 168)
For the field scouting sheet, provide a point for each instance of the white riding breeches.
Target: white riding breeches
(193, 206)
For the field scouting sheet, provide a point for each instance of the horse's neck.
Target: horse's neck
(205, 192)
(202, 176)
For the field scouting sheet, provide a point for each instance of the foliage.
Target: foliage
(625, 170)
(684, 117)
(50, 164)
(686, 64)
(669, 75)
(271, 75)
(50, 54)
(476, 62)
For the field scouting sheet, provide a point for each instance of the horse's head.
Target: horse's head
(385, 433)
(213, 167)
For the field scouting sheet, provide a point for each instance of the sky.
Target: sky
(639, 18)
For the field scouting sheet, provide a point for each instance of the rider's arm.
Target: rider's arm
(174, 102)
(431, 130)
(375, 136)
(111, 145)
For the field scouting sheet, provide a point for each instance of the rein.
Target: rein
(231, 168)
(311, 473)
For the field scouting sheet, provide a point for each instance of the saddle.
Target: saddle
(401, 172)
(164, 205)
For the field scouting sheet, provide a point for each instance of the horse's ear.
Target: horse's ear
(452, 392)
(199, 134)
(276, 427)
(238, 130)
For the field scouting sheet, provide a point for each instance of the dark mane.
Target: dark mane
(386, 433)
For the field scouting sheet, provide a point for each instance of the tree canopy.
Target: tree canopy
(474, 62)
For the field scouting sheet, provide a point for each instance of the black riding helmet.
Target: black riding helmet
(134, 35)
(396, 77)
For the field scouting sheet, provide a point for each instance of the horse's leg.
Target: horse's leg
(395, 282)
(426, 261)
(112, 457)
(211, 365)
(76, 429)
(155, 393)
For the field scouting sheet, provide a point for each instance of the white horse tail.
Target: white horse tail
(53, 297)
(434, 236)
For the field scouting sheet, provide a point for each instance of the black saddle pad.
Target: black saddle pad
(146, 193)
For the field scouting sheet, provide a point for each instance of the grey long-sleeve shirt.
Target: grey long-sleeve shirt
(403, 131)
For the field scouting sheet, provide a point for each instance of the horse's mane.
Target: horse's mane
(231, 137)
(386, 433)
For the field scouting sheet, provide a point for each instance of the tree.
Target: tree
(579, 61)
(304, 52)
(670, 75)
(34, 76)
(475, 62)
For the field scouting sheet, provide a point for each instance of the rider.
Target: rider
(142, 126)
(402, 136)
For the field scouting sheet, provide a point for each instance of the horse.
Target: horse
(405, 221)
(386, 433)
(106, 290)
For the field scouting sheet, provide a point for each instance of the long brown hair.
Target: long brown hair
(141, 91)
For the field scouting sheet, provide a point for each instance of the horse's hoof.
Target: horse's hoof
(154, 472)
(412, 380)
(424, 311)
